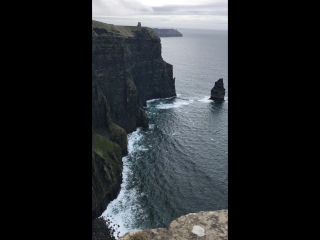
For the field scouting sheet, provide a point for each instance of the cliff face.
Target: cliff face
(203, 225)
(109, 143)
(129, 70)
(106, 173)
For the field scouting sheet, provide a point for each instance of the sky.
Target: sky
(203, 14)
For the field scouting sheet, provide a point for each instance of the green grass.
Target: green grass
(120, 134)
(124, 31)
(106, 149)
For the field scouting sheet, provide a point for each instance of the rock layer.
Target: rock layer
(218, 91)
(212, 225)
(129, 70)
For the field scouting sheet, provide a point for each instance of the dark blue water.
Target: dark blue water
(180, 164)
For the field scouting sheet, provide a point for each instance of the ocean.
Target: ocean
(180, 164)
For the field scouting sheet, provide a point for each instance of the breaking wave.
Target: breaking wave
(121, 211)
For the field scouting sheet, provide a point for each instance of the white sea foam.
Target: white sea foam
(121, 210)
(205, 99)
(157, 99)
(169, 97)
(133, 139)
(173, 105)
(153, 100)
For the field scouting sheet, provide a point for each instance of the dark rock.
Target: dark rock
(218, 91)
(109, 143)
(167, 32)
(102, 230)
(129, 70)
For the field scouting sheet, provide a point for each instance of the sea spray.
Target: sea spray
(123, 209)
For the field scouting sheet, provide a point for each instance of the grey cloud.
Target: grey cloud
(125, 12)
(220, 8)
(118, 7)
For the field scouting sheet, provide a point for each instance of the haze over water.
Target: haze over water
(180, 164)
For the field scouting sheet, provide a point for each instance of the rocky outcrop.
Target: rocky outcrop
(167, 32)
(218, 91)
(102, 229)
(129, 70)
(211, 225)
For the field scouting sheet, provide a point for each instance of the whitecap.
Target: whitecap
(133, 139)
(153, 100)
(158, 99)
(173, 105)
(205, 99)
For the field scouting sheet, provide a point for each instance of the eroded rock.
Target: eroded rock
(211, 225)
(218, 91)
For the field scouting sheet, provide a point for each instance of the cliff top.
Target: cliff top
(203, 225)
(123, 31)
(167, 32)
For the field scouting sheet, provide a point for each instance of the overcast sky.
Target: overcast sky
(206, 14)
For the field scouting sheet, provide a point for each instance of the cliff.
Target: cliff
(167, 32)
(203, 225)
(109, 143)
(127, 70)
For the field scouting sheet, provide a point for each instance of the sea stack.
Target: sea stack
(218, 91)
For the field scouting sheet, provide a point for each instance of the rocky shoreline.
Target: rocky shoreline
(210, 225)
(103, 229)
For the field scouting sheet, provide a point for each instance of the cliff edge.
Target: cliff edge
(211, 225)
(167, 32)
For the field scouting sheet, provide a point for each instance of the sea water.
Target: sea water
(179, 165)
